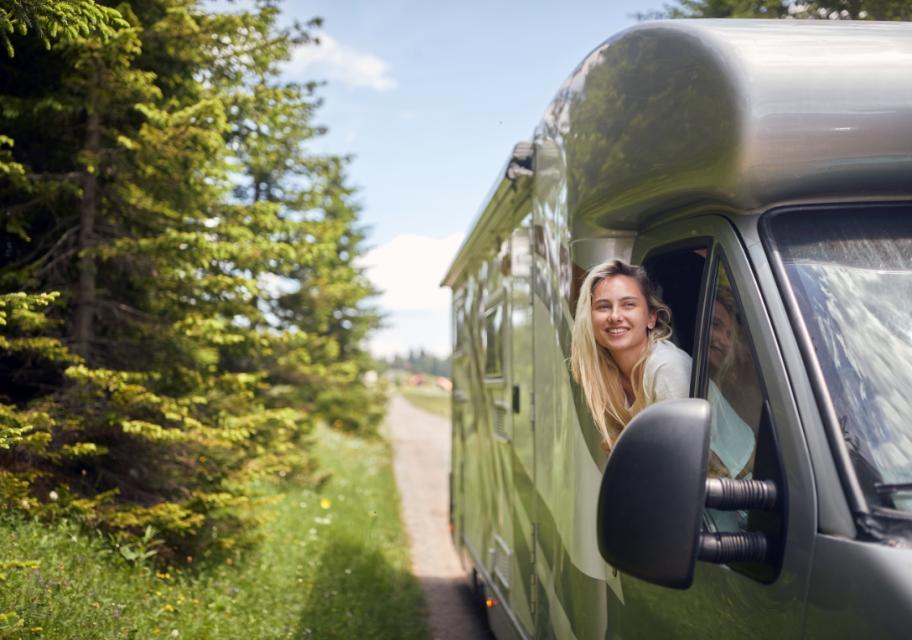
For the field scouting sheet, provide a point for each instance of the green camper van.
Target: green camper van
(761, 171)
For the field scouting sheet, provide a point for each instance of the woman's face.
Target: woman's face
(621, 317)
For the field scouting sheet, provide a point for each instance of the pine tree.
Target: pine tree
(202, 326)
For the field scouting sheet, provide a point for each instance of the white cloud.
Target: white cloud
(407, 330)
(341, 63)
(408, 269)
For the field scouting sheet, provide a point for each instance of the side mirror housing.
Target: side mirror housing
(653, 491)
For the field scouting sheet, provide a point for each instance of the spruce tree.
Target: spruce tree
(209, 309)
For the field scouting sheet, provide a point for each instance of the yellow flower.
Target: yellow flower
(326, 503)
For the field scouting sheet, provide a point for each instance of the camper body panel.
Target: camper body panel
(522, 371)
(859, 590)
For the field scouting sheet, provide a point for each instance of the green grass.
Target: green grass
(333, 563)
(428, 398)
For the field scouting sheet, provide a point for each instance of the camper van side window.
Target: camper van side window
(733, 390)
(459, 328)
(492, 333)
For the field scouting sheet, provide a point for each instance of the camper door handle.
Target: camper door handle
(515, 398)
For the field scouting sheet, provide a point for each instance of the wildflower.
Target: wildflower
(326, 503)
(52, 496)
(175, 633)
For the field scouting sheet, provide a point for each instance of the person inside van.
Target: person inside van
(621, 353)
(623, 358)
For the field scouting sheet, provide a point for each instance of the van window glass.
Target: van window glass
(734, 392)
(493, 340)
(459, 321)
(851, 274)
(731, 364)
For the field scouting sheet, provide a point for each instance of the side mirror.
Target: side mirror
(650, 505)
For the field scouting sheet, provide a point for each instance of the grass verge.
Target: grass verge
(428, 398)
(333, 563)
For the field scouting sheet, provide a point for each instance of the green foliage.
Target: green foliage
(833, 10)
(56, 20)
(209, 311)
(332, 562)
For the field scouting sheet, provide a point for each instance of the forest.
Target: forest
(179, 298)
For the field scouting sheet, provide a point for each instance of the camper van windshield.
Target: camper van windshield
(851, 274)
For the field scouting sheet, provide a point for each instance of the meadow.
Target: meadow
(429, 398)
(332, 561)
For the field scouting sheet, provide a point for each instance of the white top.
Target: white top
(666, 376)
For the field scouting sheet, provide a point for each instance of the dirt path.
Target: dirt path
(421, 443)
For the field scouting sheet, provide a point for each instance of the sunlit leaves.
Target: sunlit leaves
(57, 20)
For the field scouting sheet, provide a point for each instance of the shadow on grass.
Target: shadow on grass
(358, 594)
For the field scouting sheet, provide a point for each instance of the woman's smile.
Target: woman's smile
(621, 318)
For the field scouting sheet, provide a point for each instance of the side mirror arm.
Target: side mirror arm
(727, 494)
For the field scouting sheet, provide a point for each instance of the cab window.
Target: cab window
(733, 390)
(730, 379)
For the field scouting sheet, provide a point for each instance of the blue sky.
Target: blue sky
(429, 98)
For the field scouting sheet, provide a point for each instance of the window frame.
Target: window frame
(735, 241)
(496, 302)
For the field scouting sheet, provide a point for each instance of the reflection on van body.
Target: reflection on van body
(762, 173)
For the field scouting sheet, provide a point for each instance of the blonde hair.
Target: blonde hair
(592, 365)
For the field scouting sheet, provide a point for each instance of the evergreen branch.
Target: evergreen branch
(57, 19)
(74, 177)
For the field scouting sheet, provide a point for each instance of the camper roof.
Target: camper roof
(738, 115)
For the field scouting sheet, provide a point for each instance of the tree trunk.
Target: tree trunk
(88, 209)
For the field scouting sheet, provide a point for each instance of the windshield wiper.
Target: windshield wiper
(887, 488)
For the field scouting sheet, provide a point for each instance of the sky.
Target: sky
(429, 99)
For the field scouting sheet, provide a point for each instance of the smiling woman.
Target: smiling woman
(621, 355)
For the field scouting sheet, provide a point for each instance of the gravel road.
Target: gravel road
(421, 444)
